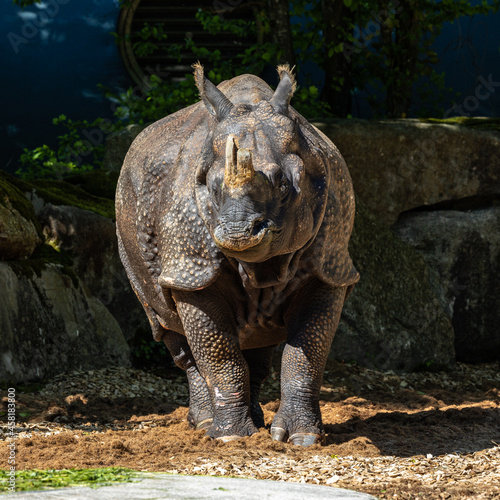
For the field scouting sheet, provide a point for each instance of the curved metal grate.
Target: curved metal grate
(179, 23)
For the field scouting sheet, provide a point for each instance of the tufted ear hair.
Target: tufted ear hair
(284, 91)
(216, 102)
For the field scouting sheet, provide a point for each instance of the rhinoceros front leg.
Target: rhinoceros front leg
(201, 413)
(312, 323)
(209, 330)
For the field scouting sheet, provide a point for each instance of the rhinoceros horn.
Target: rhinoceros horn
(239, 168)
(216, 102)
(284, 91)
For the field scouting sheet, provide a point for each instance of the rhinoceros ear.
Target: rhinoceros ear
(216, 102)
(284, 91)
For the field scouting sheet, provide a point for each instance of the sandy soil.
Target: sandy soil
(423, 435)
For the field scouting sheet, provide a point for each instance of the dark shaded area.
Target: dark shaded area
(462, 205)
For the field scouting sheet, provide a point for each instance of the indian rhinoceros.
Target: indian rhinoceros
(233, 220)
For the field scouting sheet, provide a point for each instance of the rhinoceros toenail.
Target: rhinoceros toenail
(278, 434)
(204, 424)
(305, 438)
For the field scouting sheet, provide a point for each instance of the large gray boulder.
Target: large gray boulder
(50, 324)
(90, 239)
(20, 232)
(78, 218)
(392, 320)
(57, 306)
(463, 250)
(399, 165)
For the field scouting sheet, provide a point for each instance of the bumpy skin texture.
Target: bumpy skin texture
(233, 219)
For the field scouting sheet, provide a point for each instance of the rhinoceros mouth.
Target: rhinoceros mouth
(260, 236)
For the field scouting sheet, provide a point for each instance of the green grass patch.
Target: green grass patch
(27, 480)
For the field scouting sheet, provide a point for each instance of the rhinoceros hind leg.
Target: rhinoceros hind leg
(201, 413)
(259, 363)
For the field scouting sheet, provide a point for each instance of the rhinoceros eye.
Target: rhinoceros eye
(215, 193)
(284, 187)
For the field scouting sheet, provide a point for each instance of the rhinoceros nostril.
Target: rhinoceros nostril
(258, 226)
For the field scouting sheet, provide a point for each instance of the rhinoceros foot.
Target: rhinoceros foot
(231, 430)
(302, 435)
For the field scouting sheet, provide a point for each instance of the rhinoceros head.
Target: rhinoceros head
(260, 188)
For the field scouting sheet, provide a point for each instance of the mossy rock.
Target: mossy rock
(481, 123)
(16, 199)
(463, 250)
(20, 231)
(51, 324)
(63, 193)
(44, 256)
(402, 165)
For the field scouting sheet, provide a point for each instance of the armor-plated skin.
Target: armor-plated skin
(233, 220)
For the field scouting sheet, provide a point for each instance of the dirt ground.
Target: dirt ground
(421, 435)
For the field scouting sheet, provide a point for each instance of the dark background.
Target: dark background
(56, 53)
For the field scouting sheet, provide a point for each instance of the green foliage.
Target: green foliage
(163, 97)
(306, 101)
(394, 49)
(80, 149)
(150, 36)
(386, 46)
(159, 100)
(215, 24)
(42, 162)
(27, 480)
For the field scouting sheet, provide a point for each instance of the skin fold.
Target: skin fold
(233, 220)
